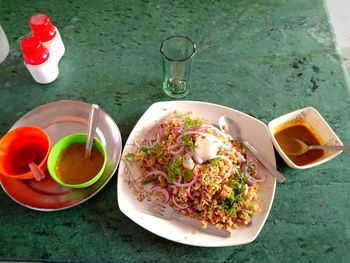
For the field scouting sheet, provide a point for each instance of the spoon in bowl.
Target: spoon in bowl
(28, 161)
(37, 172)
(228, 125)
(298, 147)
(93, 120)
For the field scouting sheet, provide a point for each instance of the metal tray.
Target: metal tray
(59, 119)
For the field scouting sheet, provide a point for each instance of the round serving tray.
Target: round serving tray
(59, 119)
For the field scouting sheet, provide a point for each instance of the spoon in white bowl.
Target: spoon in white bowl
(228, 125)
(93, 120)
(298, 147)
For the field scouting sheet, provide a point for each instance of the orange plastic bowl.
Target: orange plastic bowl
(21, 146)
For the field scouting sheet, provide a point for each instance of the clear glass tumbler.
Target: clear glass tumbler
(177, 53)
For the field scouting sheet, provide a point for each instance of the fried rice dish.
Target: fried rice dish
(200, 171)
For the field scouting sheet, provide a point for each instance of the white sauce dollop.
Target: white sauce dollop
(205, 148)
(188, 162)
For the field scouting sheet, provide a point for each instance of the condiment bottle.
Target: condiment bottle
(37, 60)
(4, 45)
(42, 27)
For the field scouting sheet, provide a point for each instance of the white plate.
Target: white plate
(253, 130)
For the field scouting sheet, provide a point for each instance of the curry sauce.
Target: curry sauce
(302, 132)
(73, 168)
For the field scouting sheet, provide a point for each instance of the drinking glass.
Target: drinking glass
(177, 53)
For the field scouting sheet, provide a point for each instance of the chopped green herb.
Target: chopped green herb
(187, 174)
(236, 196)
(130, 155)
(153, 151)
(241, 176)
(232, 210)
(210, 210)
(145, 150)
(236, 186)
(215, 161)
(178, 114)
(188, 122)
(147, 181)
(170, 178)
(251, 167)
(187, 141)
(174, 168)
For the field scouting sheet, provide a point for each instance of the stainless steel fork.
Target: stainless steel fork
(162, 210)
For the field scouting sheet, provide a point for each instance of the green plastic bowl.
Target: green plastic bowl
(63, 144)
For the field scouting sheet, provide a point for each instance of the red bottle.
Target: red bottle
(38, 61)
(34, 53)
(42, 27)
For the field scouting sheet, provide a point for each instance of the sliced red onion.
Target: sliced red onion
(160, 133)
(155, 186)
(190, 210)
(174, 146)
(197, 132)
(179, 151)
(181, 185)
(158, 139)
(153, 134)
(178, 129)
(194, 180)
(216, 130)
(246, 189)
(188, 191)
(179, 139)
(258, 180)
(149, 174)
(184, 206)
(165, 192)
(255, 163)
(240, 158)
(244, 169)
(252, 177)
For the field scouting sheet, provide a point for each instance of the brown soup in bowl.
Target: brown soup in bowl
(304, 133)
(73, 168)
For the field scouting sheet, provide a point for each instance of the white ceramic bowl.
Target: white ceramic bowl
(314, 119)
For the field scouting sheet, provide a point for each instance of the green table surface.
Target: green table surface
(265, 58)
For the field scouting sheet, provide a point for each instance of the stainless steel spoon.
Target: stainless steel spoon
(298, 147)
(228, 125)
(93, 120)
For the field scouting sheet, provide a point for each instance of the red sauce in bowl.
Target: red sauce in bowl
(304, 133)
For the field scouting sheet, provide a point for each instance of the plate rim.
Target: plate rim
(120, 179)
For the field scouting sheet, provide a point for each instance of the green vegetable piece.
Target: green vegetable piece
(145, 150)
(187, 174)
(147, 181)
(215, 161)
(130, 155)
(188, 122)
(173, 167)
